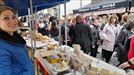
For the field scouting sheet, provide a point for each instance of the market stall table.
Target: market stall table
(47, 68)
(43, 63)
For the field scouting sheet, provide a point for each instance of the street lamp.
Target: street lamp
(80, 3)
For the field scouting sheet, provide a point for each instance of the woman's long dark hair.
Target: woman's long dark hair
(54, 25)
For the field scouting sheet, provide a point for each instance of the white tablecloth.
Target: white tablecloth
(95, 62)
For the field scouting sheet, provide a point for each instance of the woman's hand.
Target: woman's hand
(124, 65)
(108, 41)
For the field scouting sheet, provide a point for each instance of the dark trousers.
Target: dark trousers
(86, 50)
(94, 51)
(107, 55)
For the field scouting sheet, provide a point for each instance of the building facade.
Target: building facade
(98, 1)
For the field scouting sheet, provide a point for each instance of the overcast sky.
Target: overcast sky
(74, 4)
(71, 5)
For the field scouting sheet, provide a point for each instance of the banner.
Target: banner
(107, 5)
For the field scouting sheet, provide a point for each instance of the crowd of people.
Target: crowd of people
(92, 32)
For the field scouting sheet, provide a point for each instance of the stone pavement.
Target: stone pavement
(113, 60)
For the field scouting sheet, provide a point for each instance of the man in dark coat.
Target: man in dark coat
(122, 42)
(83, 35)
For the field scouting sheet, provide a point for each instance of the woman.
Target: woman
(108, 36)
(54, 31)
(130, 62)
(14, 59)
(95, 31)
(124, 19)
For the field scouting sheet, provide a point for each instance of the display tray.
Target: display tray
(45, 53)
(58, 69)
(39, 44)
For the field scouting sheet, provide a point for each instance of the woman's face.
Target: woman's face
(113, 20)
(96, 22)
(8, 21)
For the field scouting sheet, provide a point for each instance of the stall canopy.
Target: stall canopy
(24, 11)
(132, 6)
(132, 3)
(105, 5)
(21, 6)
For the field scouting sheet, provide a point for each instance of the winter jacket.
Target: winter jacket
(83, 36)
(95, 32)
(14, 59)
(120, 44)
(108, 34)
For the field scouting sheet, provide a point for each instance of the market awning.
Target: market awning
(106, 5)
(132, 3)
(132, 6)
(119, 10)
(21, 6)
(22, 12)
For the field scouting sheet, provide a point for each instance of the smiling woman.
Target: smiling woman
(8, 20)
(14, 59)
